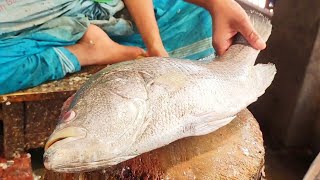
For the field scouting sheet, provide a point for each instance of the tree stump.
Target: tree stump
(233, 152)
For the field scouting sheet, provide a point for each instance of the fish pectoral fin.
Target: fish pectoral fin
(205, 124)
(171, 81)
(210, 126)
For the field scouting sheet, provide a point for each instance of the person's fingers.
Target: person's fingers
(157, 54)
(130, 52)
(221, 42)
(158, 51)
(222, 47)
(247, 30)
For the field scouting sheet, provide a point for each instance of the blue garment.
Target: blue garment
(33, 34)
(185, 29)
(32, 58)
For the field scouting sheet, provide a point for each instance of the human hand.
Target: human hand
(158, 51)
(229, 19)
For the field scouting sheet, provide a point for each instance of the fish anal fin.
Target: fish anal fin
(204, 124)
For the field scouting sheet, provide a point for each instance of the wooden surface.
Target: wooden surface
(53, 89)
(13, 128)
(30, 116)
(233, 152)
(17, 169)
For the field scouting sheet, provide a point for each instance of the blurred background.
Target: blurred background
(289, 111)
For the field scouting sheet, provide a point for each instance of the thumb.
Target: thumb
(248, 32)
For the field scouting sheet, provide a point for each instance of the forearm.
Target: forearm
(209, 5)
(143, 15)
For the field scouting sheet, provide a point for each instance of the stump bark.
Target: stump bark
(233, 152)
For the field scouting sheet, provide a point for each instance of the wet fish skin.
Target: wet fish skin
(137, 106)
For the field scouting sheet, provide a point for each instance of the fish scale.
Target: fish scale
(134, 107)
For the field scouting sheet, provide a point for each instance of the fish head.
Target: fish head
(98, 126)
(71, 149)
(65, 142)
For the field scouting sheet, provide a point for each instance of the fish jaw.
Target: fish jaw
(65, 133)
(61, 138)
(76, 154)
(72, 149)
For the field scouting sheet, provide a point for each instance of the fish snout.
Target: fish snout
(46, 162)
(69, 132)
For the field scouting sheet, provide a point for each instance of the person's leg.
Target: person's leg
(54, 49)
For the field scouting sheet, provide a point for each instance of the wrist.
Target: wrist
(158, 51)
(209, 5)
(155, 47)
(214, 6)
(153, 41)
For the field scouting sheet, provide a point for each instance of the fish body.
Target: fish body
(134, 107)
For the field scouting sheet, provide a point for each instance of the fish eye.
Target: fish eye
(68, 116)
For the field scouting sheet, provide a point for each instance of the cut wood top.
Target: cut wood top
(54, 89)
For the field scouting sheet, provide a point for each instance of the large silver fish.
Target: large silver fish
(137, 106)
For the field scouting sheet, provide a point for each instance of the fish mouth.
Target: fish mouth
(65, 133)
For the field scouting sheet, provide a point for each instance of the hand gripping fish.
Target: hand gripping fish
(136, 106)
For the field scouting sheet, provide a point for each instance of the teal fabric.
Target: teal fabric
(24, 15)
(29, 59)
(33, 34)
(185, 29)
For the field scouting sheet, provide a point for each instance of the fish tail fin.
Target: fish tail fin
(261, 24)
(264, 76)
(241, 55)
